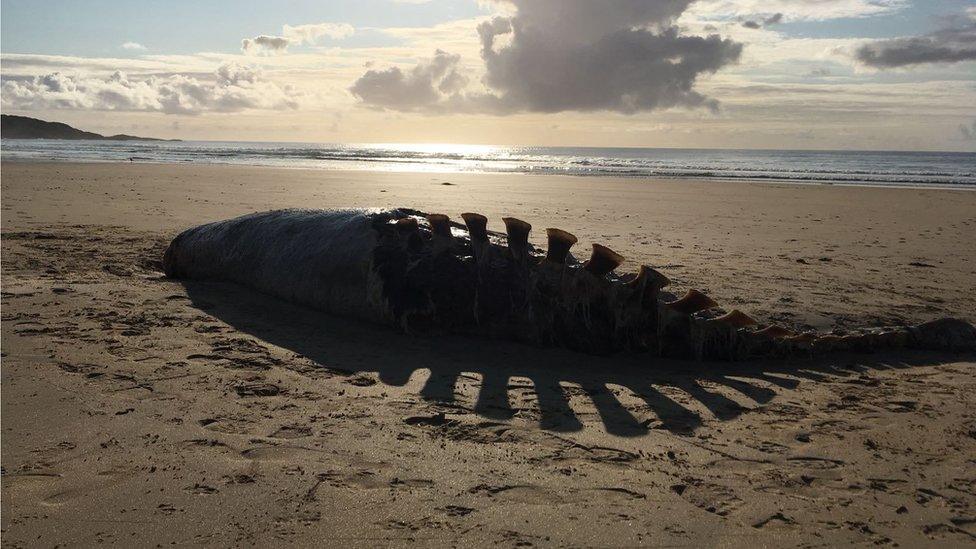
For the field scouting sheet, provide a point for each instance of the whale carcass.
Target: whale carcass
(424, 273)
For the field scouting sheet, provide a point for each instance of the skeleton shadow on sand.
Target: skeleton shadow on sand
(352, 346)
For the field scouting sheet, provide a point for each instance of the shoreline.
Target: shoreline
(648, 178)
(424, 165)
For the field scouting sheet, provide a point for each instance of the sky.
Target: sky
(778, 74)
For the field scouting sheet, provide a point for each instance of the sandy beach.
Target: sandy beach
(139, 409)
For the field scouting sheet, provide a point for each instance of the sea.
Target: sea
(914, 169)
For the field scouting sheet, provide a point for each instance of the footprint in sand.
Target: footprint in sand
(714, 498)
(201, 489)
(291, 432)
(259, 389)
(28, 484)
(455, 510)
(63, 497)
(228, 425)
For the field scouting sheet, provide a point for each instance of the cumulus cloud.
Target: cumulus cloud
(565, 55)
(230, 88)
(426, 84)
(951, 44)
(311, 34)
(135, 46)
(264, 44)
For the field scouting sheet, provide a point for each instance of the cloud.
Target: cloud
(135, 46)
(264, 44)
(295, 35)
(424, 85)
(565, 55)
(774, 19)
(311, 34)
(22, 64)
(793, 10)
(952, 44)
(230, 88)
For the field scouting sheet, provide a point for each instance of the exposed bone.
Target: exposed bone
(518, 237)
(560, 242)
(407, 225)
(692, 302)
(649, 275)
(736, 319)
(775, 332)
(648, 281)
(409, 231)
(440, 228)
(603, 260)
(440, 224)
(477, 225)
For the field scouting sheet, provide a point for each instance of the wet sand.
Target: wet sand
(142, 410)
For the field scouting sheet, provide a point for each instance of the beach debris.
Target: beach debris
(425, 273)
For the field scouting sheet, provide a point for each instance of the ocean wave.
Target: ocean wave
(883, 168)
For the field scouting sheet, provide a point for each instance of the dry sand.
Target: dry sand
(140, 410)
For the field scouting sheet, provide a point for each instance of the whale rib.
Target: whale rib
(425, 273)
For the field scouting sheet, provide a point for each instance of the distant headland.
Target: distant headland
(24, 127)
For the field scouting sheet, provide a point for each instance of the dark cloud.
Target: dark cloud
(627, 70)
(952, 44)
(774, 19)
(264, 44)
(560, 55)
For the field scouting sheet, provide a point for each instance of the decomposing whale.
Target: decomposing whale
(424, 273)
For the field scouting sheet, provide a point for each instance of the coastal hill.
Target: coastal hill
(23, 127)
